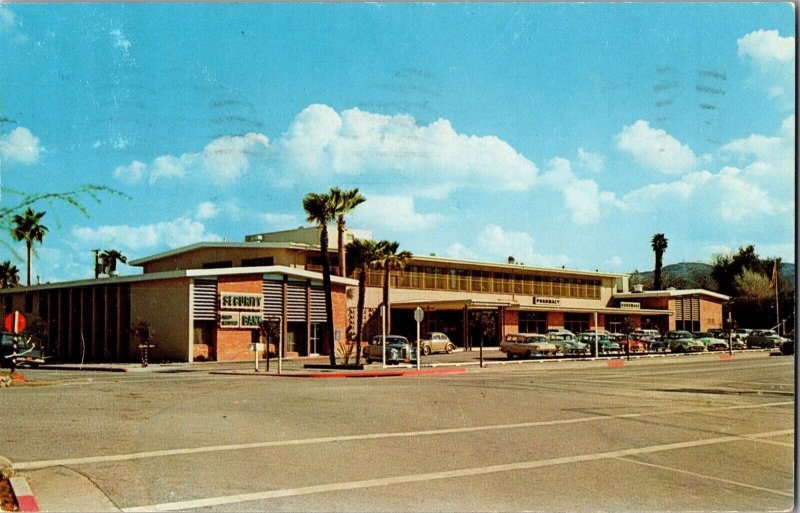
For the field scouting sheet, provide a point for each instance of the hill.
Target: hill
(697, 275)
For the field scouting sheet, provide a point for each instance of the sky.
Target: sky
(562, 134)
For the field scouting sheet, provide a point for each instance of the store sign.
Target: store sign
(630, 305)
(547, 301)
(243, 320)
(250, 320)
(239, 301)
(229, 319)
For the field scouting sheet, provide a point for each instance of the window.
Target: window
(576, 323)
(222, 264)
(532, 322)
(258, 262)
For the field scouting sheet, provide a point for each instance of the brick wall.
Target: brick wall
(232, 343)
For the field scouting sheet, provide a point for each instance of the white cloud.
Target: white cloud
(207, 210)
(582, 197)
(393, 212)
(765, 46)
(654, 148)
(498, 244)
(591, 161)
(321, 144)
(280, 220)
(435, 157)
(19, 145)
(7, 17)
(132, 173)
(767, 155)
(178, 232)
(222, 161)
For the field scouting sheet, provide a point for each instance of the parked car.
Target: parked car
(787, 346)
(436, 343)
(605, 344)
(738, 344)
(641, 334)
(17, 350)
(709, 341)
(741, 333)
(527, 345)
(626, 341)
(567, 344)
(680, 341)
(398, 349)
(763, 338)
(659, 345)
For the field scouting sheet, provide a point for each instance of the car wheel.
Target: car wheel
(426, 350)
(449, 348)
(527, 354)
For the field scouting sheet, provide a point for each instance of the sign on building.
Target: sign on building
(240, 310)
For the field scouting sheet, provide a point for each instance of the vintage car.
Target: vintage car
(605, 344)
(398, 349)
(567, 344)
(710, 341)
(436, 343)
(763, 338)
(17, 350)
(527, 345)
(629, 343)
(680, 341)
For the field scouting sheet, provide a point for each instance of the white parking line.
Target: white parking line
(33, 465)
(450, 474)
(704, 476)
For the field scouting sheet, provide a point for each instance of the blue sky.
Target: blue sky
(562, 134)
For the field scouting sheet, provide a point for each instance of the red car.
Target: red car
(626, 341)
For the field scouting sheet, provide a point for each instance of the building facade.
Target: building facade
(205, 302)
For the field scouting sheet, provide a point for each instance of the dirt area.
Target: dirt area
(7, 500)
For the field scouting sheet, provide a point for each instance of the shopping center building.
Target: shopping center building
(206, 300)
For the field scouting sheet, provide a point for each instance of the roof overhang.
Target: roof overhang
(472, 304)
(187, 273)
(671, 293)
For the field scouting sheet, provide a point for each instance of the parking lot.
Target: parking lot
(683, 433)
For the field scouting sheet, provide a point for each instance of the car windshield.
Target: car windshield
(702, 334)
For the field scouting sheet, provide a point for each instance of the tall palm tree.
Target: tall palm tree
(659, 244)
(109, 258)
(364, 253)
(9, 275)
(390, 260)
(29, 228)
(320, 209)
(344, 202)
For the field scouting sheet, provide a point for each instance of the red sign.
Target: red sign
(15, 322)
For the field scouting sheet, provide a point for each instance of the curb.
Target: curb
(25, 498)
(68, 367)
(351, 374)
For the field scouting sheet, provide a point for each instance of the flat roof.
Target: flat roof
(186, 273)
(671, 293)
(415, 258)
(224, 245)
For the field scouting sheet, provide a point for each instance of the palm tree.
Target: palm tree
(390, 260)
(9, 275)
(344, 202)
(320, 209)
(109, 258)
(365, 253)
(28, 228)
(659, 244)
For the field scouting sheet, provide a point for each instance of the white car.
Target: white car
(527, 345)
(436, 343)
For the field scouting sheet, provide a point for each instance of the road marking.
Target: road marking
(704, 476)
(33, 465)
(449, 474)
